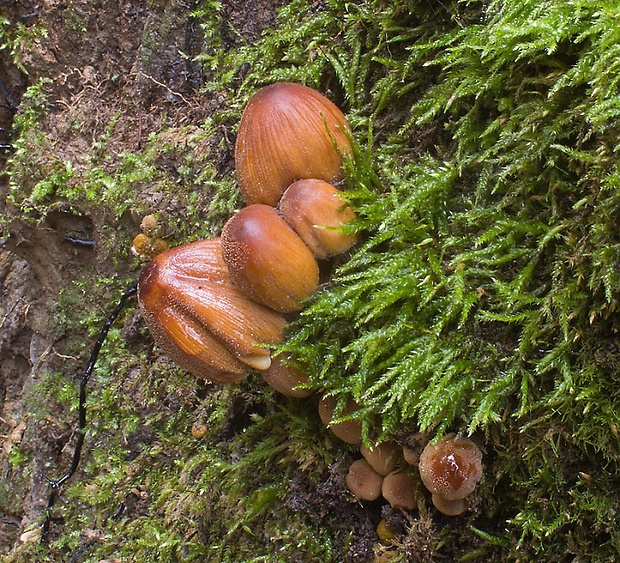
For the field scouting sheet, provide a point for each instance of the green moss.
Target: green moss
(17, 38)
(488, 278)
(177, 165)
(194, 488)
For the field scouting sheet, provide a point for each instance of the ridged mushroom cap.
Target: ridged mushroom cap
(200, 319)
(288, 132)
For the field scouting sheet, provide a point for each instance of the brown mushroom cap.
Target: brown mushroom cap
(200, 319)
(399, 490)
(267, 260)
(413, 446)
(288, 132)
(451, 467)
(363, 481)
(450, 507)
(286, 379)
(316, 210)
(382, 457)
(349, 431)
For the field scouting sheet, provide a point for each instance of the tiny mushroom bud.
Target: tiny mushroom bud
(451, 467)
(288, 132)
(363, 481)
(316, 210)
(267, 260)
(147, 248)
(385, 532)
(141, 247)
(382, 457)
(349, 431)
(200, 319)
(150, 225)
(199, 430)
(286, 379)
(413, 446)
(159, 245)
(399, 490)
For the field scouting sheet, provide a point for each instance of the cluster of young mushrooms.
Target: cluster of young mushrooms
(214, 306)
(449, 468)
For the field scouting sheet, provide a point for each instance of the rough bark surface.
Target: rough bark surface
(127, 59)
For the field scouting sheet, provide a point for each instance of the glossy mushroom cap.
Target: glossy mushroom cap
(349, 431)
(267, 260)
(316, 210)
(363, 481)
(288, 132)
(451, 467)
(200, 319)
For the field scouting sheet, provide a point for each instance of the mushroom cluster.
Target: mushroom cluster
(288, 132)
(148, 243)
(197, 315)
(380, 472)
(381, 469)
(449, 468)
(215, 306)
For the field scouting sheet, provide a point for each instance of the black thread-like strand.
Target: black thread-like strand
(79, 241)
(119, 511)
(57, 483)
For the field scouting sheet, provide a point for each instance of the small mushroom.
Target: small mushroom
(450, 507)
(267, 260)
(399, 490)
(382, 457)
(286, 379)
(413, 446)
(146, 248)
(316, 211)
(150, 226)
(385, 533)
(363, 481)
(349, 431)
(200, 319)
(451, 467)
(199, 430)
(148, 243)
(288, 132)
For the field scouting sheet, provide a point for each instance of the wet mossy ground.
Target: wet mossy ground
(482, 297)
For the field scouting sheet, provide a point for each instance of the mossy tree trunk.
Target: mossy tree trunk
(482, 297)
